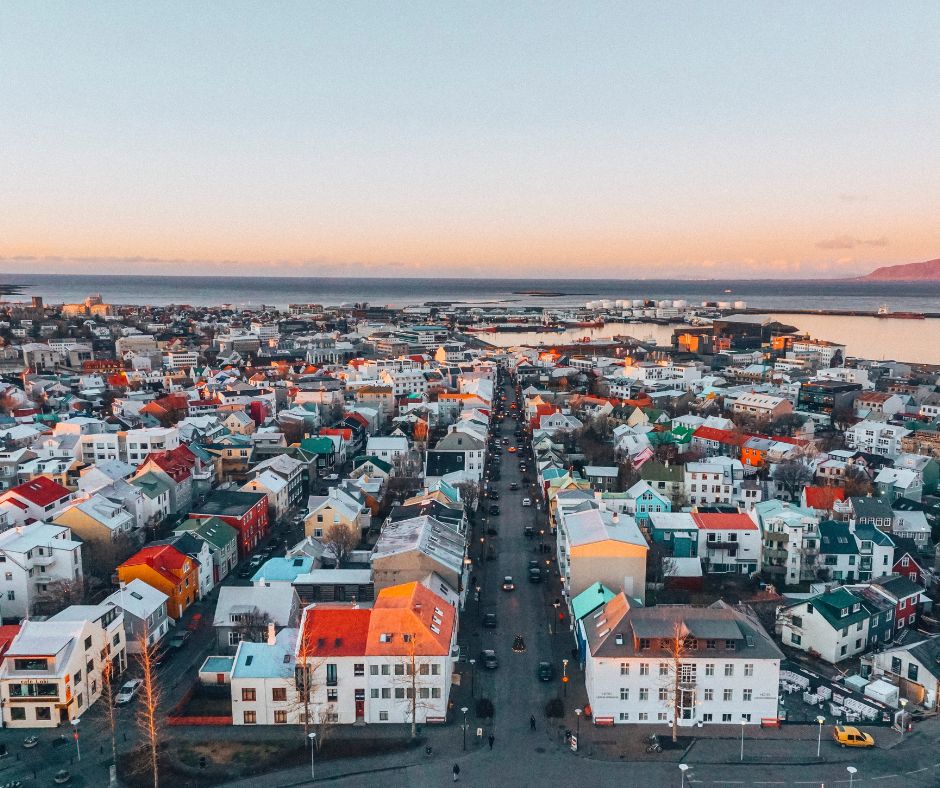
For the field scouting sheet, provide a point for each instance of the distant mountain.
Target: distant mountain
(928, 271)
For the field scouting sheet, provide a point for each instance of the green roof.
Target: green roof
(216, 532)
(836, 539)
(590, 599)
(320, 445)
(150, 484)
(829, 606)
(655, 471)
(380, 464)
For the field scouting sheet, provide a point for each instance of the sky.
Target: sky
(602, 140)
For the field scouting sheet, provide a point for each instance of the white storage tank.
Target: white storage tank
(883, 692)
(724, 305)
(680, 303)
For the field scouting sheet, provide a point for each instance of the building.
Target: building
(876, 437)
(246, 512)
(761, 406)
(277, 490)
(52, 671)
(420, 549)
(791, 541)
(247, 612)
(38, 499)
(145, 614)
(97, 519)
(679, 665)
(35, 561)
(222, 540)
(728, 543)
(913, 667)
(168, 570)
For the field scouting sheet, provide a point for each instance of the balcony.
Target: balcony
(775, 554)
(774, 536)
(43, 560)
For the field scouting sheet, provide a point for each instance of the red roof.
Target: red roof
(724, 521)
(343, 432)
(40, 491)
(334, 632)
(358, 417)
(823, 497)
(177, 463)
(721, 436)
(7, 633)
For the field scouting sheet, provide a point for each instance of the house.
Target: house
(878, 405)
(339, 507)
(97, 519)
(894, 483)
(833, 625)
(155, 498)
(387, 448)
(246, 512)
(905, 595)
(708, 483)
(595, 545)
(38, 499)
(644, 500)
(291, 470)
(728, 543)
(238, 422)
(52, 671)
(666, 479)
(679, 665)
(764, 407)
(604, 477)
(912, 525)
(389, 664)
(277, 490)
(913, 667)
(176, 467)
(876, 437)
(245, 612)
(822, 499)
(145, 614)
(34, 561)
(462, 443)
(167, 569)
(791, 541)
(420, 549)
(189, 543)
(222, 540)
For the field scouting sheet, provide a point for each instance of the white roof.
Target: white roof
(25, 538)
(138, 598)
(276, 601)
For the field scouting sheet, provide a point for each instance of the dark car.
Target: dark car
(529, 531)
(178, 639)
(508, 584)
(493, 495)
(489, 621)
(545, 671)
(535, 575)
(488, 659)
(514, 486)
(494, 510)
(533, 564)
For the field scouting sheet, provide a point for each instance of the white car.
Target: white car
(128, 691)
(526, 501)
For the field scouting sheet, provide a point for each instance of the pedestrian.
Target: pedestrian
(532, 722)
(456, 772)
(492, 738)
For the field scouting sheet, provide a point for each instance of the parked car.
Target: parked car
(508, 584)
(489, 621)
(512, 450)
(178, 639)
(535, 574)
(494, 510)
(514, 486)
(545, 671)
(128, 691)
(488, 659)
(526, 501)
(847, 736)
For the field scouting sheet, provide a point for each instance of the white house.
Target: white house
(679, 665)
(876, 437)
(33, 558)
(145, 614)
(387, 448)
(277, 489)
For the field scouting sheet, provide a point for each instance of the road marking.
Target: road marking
(884, 777)
(917, 771)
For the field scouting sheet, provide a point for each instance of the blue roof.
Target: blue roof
(262, 661)
(217, 665)
(283, 570)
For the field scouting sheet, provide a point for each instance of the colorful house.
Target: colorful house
(168, 570)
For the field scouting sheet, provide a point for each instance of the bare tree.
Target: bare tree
(148, 705)
(857, 481)
(413, 680)
(793, 476)
(58, 595)
(107, 697)
(470, 494)
(341, 539)
(252, 625)
(100, 557)
(678, 686)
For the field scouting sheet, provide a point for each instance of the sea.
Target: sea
(908, 340)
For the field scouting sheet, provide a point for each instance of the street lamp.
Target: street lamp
(903, 725)
(464, 710)
(556, 604)
(564, 675)
(743, 723)
(78, 746)
(852, 771)
(683, 768)
(473, 676)
(820, 720)
(313, 774)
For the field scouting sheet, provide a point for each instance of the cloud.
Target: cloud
(847, 197)
(850, 242)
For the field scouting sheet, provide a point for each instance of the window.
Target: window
(249, 717)
(280, 717)
(912, 671)
(710, 669)
(624, 693)
(383, 716)
(642, 716)
(795, 639)
(77, 678)
(44, 713)
(400, 669)
(706, 718)
(709, 694)
(661, 716)
(726, 718)
(359, 669)
(663, 694)
(748, 694)
(624, 716)
(644, 644)
(399, 693)
(710, 644)
(17, 713)
(644, 668)
(248, 693)
(374, 693)
(386, 693)
(331, 679)
(727, 695)
(729, 669)
(748, 668)
(385, 670)
(11, 595)
(279, 694)
(624, 668)
(373, 670)
(644, 693)
(663, 668)
(88, 642)
(332, 695)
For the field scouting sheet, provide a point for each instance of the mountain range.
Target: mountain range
(928, 271)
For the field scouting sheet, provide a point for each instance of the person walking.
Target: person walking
(456, 771)
(532, 723)
(491, 740)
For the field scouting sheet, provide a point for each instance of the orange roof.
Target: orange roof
(334, 631)
(722, 436)
(164, 559)
(823, 497)
(724, 522)
(410, 609)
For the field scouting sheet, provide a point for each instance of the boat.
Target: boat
(884, 312)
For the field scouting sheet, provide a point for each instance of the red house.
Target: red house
(906, 596)
(907, 564)
(246, 512)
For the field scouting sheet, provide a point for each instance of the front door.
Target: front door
(360, 705)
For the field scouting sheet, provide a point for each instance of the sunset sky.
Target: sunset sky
(618, 139)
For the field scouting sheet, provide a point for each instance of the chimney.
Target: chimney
(271, 633)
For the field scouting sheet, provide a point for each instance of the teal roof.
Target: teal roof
(262, 661)
(868, 533)
(283, 570)
(319, 445)
(217, 665)
(378, 463)
(836, 539)
(831, 604)
(590, 599)
(215, 531)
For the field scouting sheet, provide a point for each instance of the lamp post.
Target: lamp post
(473, 676)
(683, 768)
(464, 710)
(743, 723)
(852, 771)
(820, 720)
(903, 724)
(556, 604)
(313, 749)
(564, 675)
(78, 746)
(578, 713)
